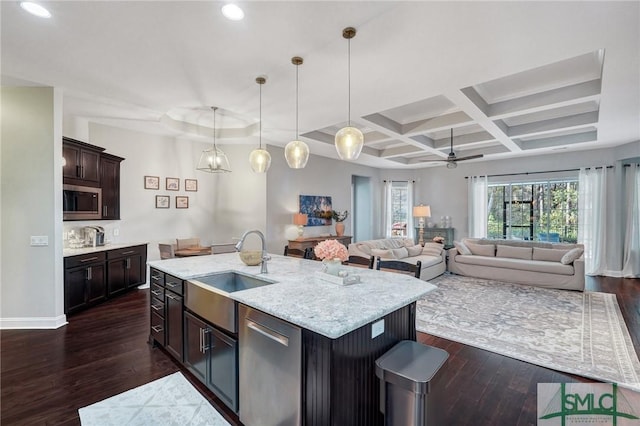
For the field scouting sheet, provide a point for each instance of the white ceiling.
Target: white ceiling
(511, 78)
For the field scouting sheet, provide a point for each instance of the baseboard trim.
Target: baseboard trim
(33, 323)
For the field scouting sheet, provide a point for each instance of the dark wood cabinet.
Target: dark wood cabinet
(82, 163)
(212, 357)
(110, 183)
(173, 323)
(85, 282)
(157, 333)
(92, 278)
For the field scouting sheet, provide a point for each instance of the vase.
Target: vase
(332, 266)
(339, 229)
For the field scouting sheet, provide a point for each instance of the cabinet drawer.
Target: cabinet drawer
(124, 252)
(157, 291)
(157, 307)
(157, 277)
(172, 283)
(81, 260)
(157, 328)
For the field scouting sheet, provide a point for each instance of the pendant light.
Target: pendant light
(349, 140)
(259, 158)
(296, 152)
(214, 160)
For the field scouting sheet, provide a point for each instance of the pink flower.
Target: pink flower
(331, 249)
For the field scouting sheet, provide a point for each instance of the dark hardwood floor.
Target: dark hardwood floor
(47, 375)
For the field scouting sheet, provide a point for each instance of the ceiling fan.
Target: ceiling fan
(452, 160)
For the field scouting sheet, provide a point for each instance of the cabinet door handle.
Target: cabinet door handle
(156, 308)
(104, 211)
(172, 297)
(201, 340)
(172, 285)
(156, 328)
(89, 273)
(155, 293)
(78, 172)
(89, 259)
(154, 278)
(128, 263)
(127, 252)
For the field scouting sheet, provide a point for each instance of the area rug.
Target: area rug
(171, 400)
(580, 333)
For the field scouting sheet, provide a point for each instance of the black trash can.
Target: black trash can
(411, 383)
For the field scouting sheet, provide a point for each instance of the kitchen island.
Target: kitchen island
(343, 330)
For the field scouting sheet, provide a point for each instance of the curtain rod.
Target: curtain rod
(535, 173)
(412, 181)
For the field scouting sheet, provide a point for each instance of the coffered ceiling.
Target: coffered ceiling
(510, 78)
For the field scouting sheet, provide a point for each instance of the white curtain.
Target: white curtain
(592, 223)
(387, 208)
(410, 197)
(631, 263)
(477, 193)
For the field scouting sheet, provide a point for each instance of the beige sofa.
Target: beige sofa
(432, 255)
(541, 264)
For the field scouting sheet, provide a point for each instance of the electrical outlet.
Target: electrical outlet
(39, 240)
(116, 232)
(377, 328)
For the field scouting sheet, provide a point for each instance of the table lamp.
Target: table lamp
(421, 212)
(300, 219)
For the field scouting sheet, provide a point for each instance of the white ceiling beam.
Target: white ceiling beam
(590, 136)
(400, 151)
(554, 124)
(435, 124)
(385, 123)
(464, 140)
(379, 122)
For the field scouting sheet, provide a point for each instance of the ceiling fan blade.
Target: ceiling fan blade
(471, 157)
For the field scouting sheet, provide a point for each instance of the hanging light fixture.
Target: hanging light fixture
(259, 158)
(214, 160)
(349, 140)
(296, 152)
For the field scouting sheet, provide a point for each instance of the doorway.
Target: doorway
(362, 217)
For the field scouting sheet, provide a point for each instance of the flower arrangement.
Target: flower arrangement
(331, 249)
(339, 216)
(438, 239)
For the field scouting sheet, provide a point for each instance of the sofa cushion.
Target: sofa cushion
(394, 243)
(400, 253)
(432, 249)
(415, 250)
(383, 253)
(425, 259)
(517, 264)
(481, 249)
(461, 247)
(548, 255)
(571, 255)
(513, 252)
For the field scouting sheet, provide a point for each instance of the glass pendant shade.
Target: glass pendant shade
(297, 154)
(214, 161)
(260, 160)
(349, 143)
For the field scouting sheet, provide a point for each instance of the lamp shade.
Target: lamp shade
(214, 161)
(349, 142)
(422, 211)
(260, 160)
(297, 154)
(299, 219)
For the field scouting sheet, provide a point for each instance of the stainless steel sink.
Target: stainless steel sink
(208, 296)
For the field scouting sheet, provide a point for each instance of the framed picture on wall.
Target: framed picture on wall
(173, 184)
(162, 201)
(152, 182)
(318, 209)
(191, 185)
(182, 202)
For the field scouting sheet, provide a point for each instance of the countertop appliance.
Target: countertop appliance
(94, 235)
(270, 369)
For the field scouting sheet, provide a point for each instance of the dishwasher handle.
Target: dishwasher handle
(267, 332)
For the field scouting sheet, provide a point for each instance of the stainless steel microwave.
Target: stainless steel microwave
(81, 202)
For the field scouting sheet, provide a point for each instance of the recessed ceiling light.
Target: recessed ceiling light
(232, 11)
(35, 9)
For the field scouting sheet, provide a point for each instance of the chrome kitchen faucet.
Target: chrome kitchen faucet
(265, 256)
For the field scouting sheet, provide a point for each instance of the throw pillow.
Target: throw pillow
(383, 253)
(432, 249)
(364, 247)
(482, 249)
(548, 255)
(400, 253)
(513, 252)
(461, 247)
(415, 250)
(571, 255)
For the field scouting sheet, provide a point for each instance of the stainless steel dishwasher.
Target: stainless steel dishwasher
(270, 354)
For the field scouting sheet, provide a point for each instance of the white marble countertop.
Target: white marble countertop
(87, 250)
(298, 297)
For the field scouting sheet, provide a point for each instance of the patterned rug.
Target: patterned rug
(574, 332)
(171, 400)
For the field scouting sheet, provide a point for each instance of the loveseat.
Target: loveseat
(432, 255)
(536, 263)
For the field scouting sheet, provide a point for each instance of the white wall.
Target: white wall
(321, 176)
(31, 157)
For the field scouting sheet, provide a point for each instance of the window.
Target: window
(398, 200)
(541, 211)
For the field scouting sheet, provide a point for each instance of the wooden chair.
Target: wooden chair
(188, 242)
(398, 265)
(305, 254)
(359, 260)
(167, 251)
